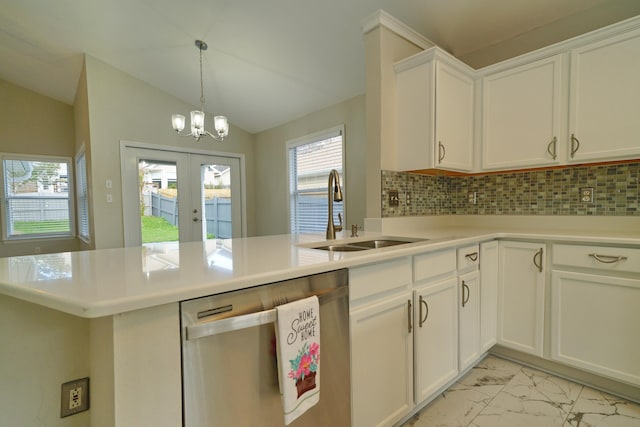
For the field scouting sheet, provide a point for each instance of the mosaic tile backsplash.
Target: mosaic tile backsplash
(541, 192)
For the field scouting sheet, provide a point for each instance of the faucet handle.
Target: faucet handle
(339, 227)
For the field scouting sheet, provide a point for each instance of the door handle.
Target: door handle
(215, 327)
(575, 145)
(441, 152)
(553, 143)
(409, 315)
(423, 302)
(538, 263)
(472, 256)
(465, 300)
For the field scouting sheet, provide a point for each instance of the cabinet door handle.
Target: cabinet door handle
(575, 145)
(465, 300)
(608, 259)
(553, 143)
(409, 315)
(423, 302)
(472, 256)
(537, 260)
(441, 151)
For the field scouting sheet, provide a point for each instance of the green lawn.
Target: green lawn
(157, 229)
(36, 227)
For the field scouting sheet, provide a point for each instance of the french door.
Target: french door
(177, 196)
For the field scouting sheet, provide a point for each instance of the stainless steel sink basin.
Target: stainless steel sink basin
(342, 248)
(367, 244)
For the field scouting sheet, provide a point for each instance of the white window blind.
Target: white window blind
(36, 197)
(311, 159)
(82, 196)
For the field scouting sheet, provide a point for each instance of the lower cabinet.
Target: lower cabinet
(488, 295)
(435, 336)
(381, 362)
(596, 324)
(521, 296)
(469, 315)
(381, 323)
(595, 310)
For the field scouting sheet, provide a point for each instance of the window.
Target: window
(35, 193)
(311, 158)
(82, 196)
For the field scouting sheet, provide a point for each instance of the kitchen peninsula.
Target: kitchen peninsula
(129, 296)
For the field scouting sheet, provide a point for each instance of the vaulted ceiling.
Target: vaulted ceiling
(271, 61)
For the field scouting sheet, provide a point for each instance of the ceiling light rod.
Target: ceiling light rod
(197, 117)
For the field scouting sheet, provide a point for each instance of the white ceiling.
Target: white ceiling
(271, 61)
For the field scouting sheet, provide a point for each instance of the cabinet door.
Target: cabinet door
(605, 99)
(488, 294)
(415, 105)
(434, 112)
(469, 314)
(382, 361)
(594, 324)
(521, 296)
(522, 122)
(454, 119)
(435, 337)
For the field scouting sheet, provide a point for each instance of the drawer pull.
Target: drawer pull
(409, 315)
(472, 256)
(607, 259)
(422, 320)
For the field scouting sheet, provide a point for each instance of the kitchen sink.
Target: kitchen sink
(367, 244)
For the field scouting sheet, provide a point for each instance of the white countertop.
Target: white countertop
(111, 281)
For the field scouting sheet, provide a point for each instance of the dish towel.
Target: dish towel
(298, 336)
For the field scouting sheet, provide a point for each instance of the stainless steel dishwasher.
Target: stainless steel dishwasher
(229, 358)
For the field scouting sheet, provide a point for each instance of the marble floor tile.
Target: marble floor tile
(460, 404)
(531, 398)
(597, 409)
(500, 393)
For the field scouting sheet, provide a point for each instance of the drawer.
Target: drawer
(468, 257)
(434, 264)
(626, 260)
(379, 278)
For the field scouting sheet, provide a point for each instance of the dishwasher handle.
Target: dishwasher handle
(215, 327)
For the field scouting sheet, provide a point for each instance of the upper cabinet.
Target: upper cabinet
(604, 102)
(434, 112)
(522, 120)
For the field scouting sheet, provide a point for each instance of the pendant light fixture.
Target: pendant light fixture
(220, 123)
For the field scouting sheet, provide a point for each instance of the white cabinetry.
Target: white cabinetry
(468, 305)
(488, 294)
(595, 306)
(522, 120)
(434, 112)
(521, 296)
(605, 99)
(380, 320)
(436, 322)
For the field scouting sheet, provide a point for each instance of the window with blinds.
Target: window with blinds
(82, 197)
(311, 158)
(35, 193)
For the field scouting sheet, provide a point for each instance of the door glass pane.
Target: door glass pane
(216, 201)
(158, 189)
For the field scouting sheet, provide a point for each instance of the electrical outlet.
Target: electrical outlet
(586, 195)
(407, 198)
(75, 397)
(473, 197)
(394, 200)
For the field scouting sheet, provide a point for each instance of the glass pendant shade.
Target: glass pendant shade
(177, 121)
(221, 126)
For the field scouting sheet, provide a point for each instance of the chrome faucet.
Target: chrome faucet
(333, 185)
